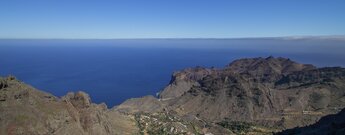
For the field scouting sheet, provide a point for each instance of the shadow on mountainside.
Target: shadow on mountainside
(327, 125)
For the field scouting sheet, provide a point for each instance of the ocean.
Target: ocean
(113, 70)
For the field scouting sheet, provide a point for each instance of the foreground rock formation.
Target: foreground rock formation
(249, 96)
(27, 111)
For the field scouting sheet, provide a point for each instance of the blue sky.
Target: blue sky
(170, 18)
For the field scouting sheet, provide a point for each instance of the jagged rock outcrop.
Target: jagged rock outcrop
(25, 110)
(182, 81)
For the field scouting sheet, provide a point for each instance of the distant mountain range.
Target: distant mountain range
(249, 96)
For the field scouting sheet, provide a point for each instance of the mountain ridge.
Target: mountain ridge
(249, 96)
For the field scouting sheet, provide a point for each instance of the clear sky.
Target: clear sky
(170, 18)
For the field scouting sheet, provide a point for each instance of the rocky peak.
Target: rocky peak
(269, 65)
(79, 99)
(182, 81)
(26, 110)
(191, 74)
(265, 91)
(265, 70)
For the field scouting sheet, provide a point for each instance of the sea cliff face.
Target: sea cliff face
(248, 96)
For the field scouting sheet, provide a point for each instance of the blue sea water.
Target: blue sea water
(112, 71)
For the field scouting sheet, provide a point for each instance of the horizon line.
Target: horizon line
(168, 38)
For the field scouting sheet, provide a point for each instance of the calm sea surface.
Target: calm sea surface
(112, 71)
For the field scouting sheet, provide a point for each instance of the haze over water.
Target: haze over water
(114, 70)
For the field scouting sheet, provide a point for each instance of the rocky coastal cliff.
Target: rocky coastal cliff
(248, 96)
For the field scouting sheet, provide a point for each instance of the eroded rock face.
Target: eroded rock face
(78, 100)
(25, 110)
(276, 93)
(182, 81)
(3, 84)
(266, 91)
